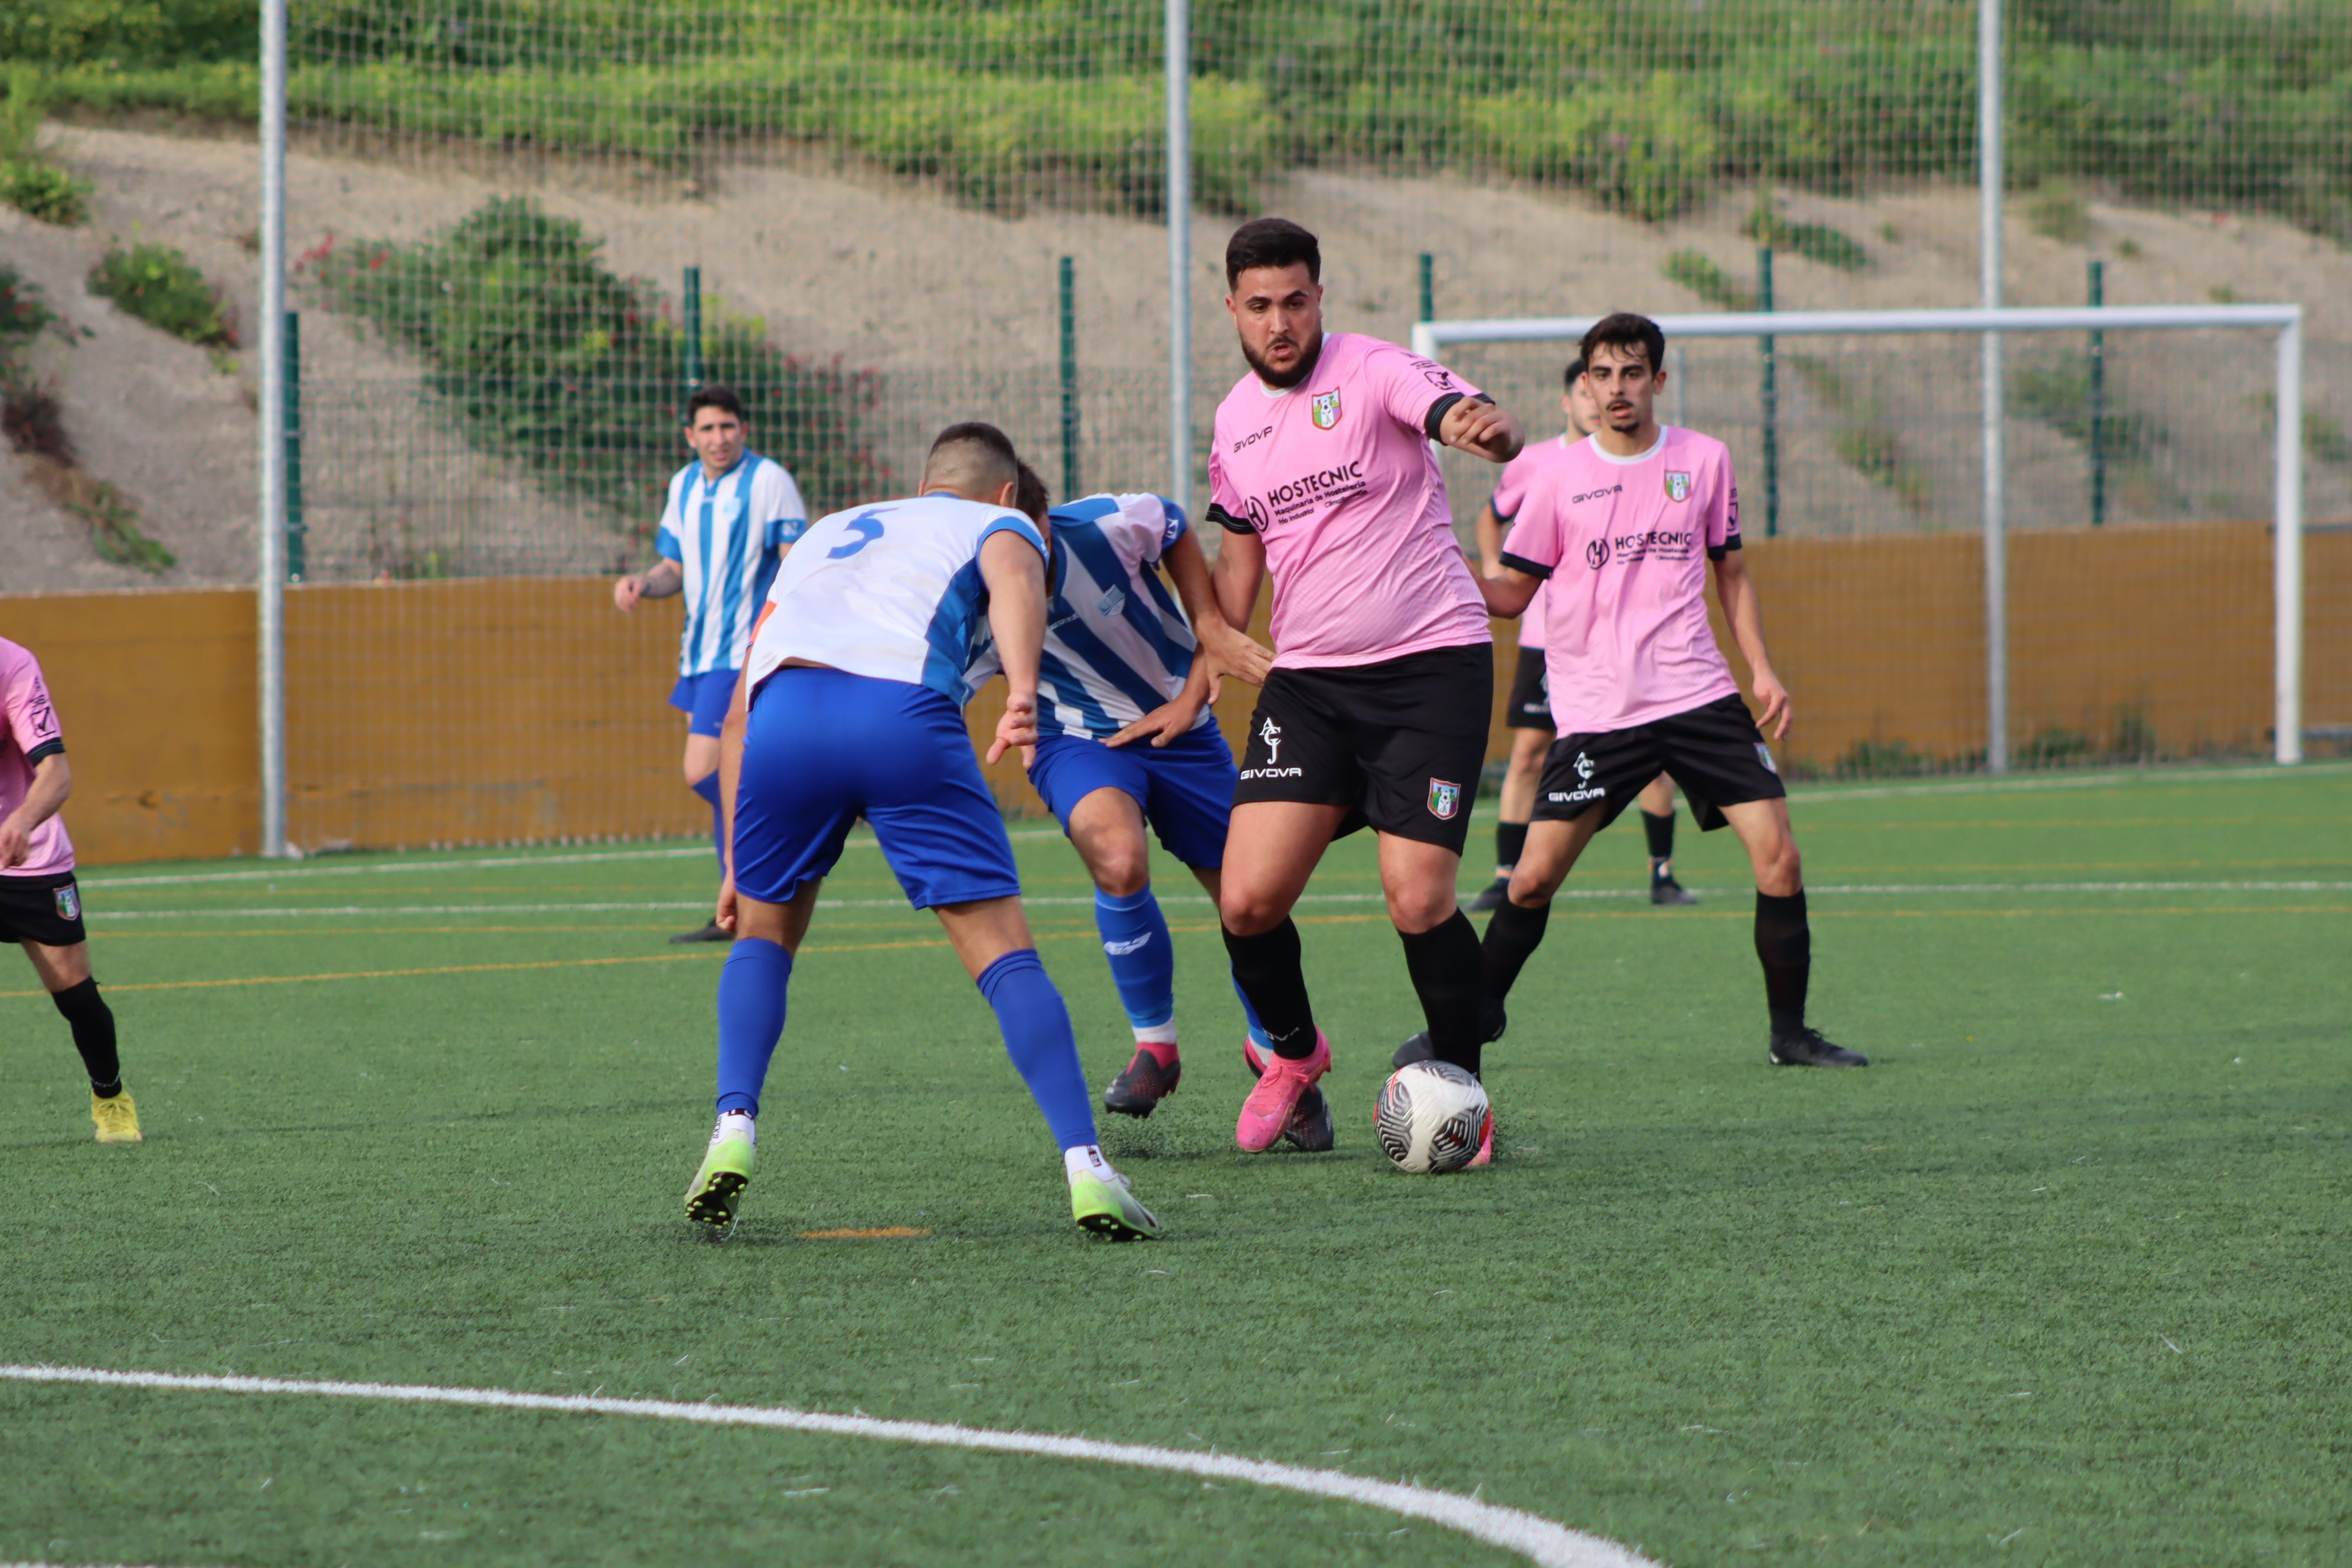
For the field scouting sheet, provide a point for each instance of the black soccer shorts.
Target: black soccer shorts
(45, 909)
(1530, 704)
(1402, 741)
(1715, 753)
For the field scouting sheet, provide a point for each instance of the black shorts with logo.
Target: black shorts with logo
(1715, 752)
(1402, 741)
(45, 909)
(1530, 704)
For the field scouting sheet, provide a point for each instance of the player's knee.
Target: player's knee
(1122, 871)
(1780, 870)
(1248, 912)
(1419, 909)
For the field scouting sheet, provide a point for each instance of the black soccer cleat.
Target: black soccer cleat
(710, 933)
(1143, 1084)
(1666, 890)
(1419, 1048)
(1490, 897)
(1309, 1127)
(1807, 1048)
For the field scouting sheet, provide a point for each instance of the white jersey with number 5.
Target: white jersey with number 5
(891, 591)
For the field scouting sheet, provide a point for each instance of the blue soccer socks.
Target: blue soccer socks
(1143, 961)
(1037, 1030)
(707, 787)
(752, 1019)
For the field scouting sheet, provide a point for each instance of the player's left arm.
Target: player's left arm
(1014, 572)
(730, 774)
(1481, 428)
(1736, 592)
(52, 783)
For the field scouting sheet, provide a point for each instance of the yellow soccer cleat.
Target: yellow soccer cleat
(117, 1119)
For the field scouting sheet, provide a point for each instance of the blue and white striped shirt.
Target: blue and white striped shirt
(727, 535)
(1116, 644)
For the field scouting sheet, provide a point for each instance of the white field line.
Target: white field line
(107, 917)
(1532, 1536)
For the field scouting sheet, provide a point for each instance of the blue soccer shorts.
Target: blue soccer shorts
(703, 699)
(824, 747)
(1184, 788)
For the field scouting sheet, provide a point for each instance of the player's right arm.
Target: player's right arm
(666, 576)
(1230, 649)
(1509, 593)
(1490, 542)
(1014, 572)
(52, 783)
(1523, 560)
(32, 721)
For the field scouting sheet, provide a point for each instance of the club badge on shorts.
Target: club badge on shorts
(68, 902)
(1444, 799)
(1324, 409)
(1678, 486)
(1764, 755)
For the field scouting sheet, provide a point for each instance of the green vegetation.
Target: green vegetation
(23, 311)
(1863, 438)
(2056, 211)
(545, 353)
(1702, 277)
(2198, 102)
(159, 285)
(1813, 241)
(2065, 1260)
(2056, 390)
(30, 181)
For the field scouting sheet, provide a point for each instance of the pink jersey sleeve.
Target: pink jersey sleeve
(1408, 386)
(1723, 510)
(1511, 489)
(1534, 540)
(32, 719)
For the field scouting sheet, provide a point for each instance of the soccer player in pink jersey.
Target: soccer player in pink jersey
(40, 907)
(1528, 712)
(1375, 711)
(1621, 533)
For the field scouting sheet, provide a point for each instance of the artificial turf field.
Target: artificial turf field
(2061, 1277)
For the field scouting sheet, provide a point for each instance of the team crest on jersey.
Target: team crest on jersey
(1113, 601)
(1444, 799)
(1324, 409)
(68, 902)
(1678, 486)
(728, 508)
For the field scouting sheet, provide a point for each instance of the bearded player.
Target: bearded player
(1376, 710)
(1527, 711)
(1621, 532)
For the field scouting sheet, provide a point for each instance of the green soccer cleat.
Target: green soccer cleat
(718, 1185)
(1109, 1209)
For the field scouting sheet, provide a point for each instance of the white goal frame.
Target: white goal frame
(1430, 339)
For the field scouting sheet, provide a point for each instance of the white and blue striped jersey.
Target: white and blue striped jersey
(725, 535)
(1117, 646)
(891, 591)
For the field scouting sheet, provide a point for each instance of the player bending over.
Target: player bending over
(40, 907)
(1376, 709)
(1620, 532)
(1120, 666)
(730, 518)
(851, 704)
(1527, 714)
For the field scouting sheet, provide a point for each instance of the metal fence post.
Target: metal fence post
(1428, 288)
(270, 584)
(1990, 174)
(294, 528)
(2098, 399)
(1179, 65)
(1069, 379)
(1771, 391)
(691, 368)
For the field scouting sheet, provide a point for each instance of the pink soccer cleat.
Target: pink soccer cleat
(1267, 1110)
(1486, 1154)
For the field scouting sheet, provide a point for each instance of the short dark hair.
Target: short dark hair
(982, 433)
(975, 453)
(1030, 494)
(1271, 242)
(1575, 369)
(1624, 330)
(713, 394)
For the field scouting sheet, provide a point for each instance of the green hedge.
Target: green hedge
(546, 354)
(1650, 105)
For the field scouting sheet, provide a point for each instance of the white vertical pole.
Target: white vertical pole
(270, 573)
(2286, 551)
(1180, 253)
(1990, 175)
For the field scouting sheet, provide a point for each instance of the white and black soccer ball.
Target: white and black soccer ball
(1429, 1117)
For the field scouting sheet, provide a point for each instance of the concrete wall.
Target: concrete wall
(521, 709)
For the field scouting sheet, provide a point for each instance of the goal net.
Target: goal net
(2095, 555)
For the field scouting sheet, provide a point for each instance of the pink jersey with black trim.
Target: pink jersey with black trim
(1510, 495)
(1336, 474)
(1625, 542)
(32, 735)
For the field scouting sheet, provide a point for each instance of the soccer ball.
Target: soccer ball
(1429, 1117)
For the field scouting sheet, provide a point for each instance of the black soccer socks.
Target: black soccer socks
(1265, 967)
(1784, 944)
(1510, 842)
(1512, 938)
(1660, 831)
(93, 1031)
(1446, 975)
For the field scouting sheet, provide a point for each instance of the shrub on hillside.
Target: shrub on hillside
(159, 285)
(546, 354)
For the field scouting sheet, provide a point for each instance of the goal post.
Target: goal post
(1433, 339)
